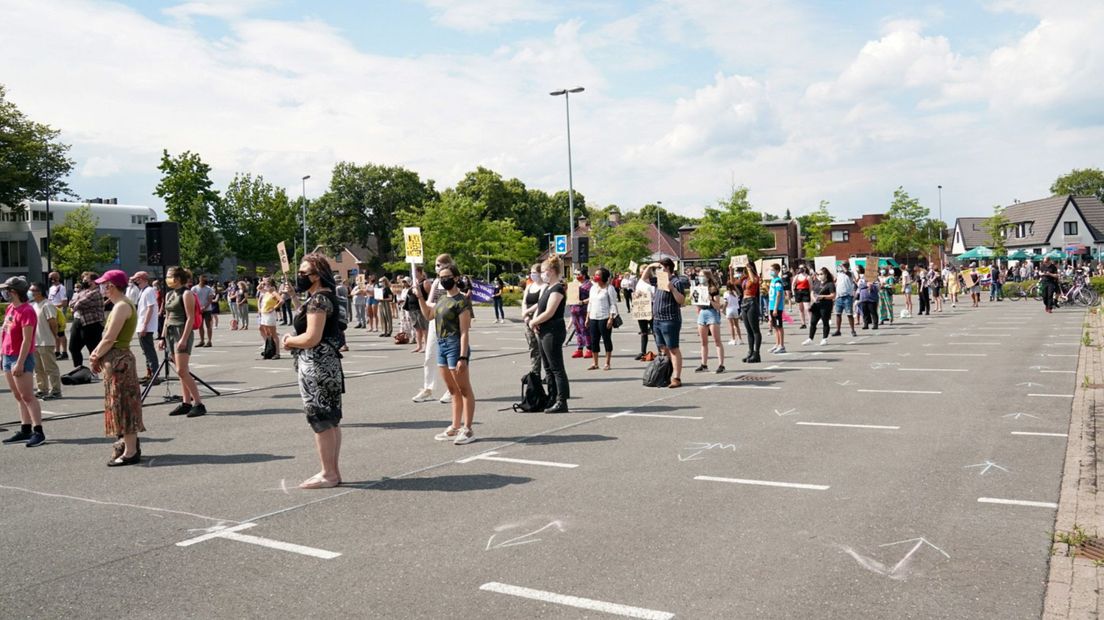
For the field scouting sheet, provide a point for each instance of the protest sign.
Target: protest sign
(642, 306)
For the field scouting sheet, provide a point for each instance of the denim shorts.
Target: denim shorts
(843, 304)
(709, 316)
(448, 352)
(10, 360)
(667, 333)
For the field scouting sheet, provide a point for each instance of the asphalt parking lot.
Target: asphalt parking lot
(911, 472)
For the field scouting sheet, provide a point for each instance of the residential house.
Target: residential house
(348, 263)
(786, 248)
(1071, 224)
(846, 238)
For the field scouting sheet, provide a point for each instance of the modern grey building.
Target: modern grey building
(23, 235)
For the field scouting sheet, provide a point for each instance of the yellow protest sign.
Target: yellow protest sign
(412, 237)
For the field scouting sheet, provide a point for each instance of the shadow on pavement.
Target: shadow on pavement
(406, 425)
(470, 482)
(545, 440)
(94, 441)
(258, 412)
(172, 460)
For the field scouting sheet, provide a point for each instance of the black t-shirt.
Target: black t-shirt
(542, 305)
(823, 289)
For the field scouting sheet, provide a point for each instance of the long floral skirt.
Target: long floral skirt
(122, 394)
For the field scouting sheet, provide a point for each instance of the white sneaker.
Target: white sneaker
(448, 434)
(773, 349)
(780, 350)
(731, 343)
(807, 342)
(823, 341)
(463, 435)
(447, 398)
(423, 396)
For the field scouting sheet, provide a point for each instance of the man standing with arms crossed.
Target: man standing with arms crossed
(147, 324)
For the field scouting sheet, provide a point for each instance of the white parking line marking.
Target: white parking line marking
(957, 354)
(489, 456)
(935, 369)
(874, 426)
(231, 533)
(1040, 434)
(1060, 372)
(900, 392)
(1060, 354)
(654, 415)
(1053, 395)
(765, 483)
(978, 344)
(1016, 502)
(741, 387)
(374, 357)
(578, 602)
(777, 366)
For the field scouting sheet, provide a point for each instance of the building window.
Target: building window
(13, 253)
(337, 259)
(143, 259)
(44, 246)
(114, 243)
(139, 220)
(1070, 229)
(841, 236)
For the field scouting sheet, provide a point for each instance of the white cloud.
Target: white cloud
(482, 15)
(97, 166)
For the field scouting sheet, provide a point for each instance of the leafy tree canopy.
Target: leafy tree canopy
(731, 228)
(1080, 182)
(76, 247)
(995, 226)
(253, 216)
(33, 163)
(186, 188)
(815, 226)
(906, 229)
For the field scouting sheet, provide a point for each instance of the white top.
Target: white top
(603, 303)
(147, 298)
(205, 294)
(57, 295)
(44, 336)
(133, 292)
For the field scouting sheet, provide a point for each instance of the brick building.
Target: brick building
(846, 238)
(786, 248)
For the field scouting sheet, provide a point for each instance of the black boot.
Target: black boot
(560, 406)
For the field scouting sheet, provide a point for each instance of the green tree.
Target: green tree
(253, 216)
(1080, 182)
(906, 229)
(185, 187)
(731, 228)
(995, 226)
(77, 247)
(33, 163)
(453, 224)
(814, 227)
(363, 202)
(669, 221)
(614, 247)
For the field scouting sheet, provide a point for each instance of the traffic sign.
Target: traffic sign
(561, 244)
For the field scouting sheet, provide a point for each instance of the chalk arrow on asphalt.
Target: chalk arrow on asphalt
(524, 539)
(1018, 415)
(692, 457)
(785, 413)
(986, 466)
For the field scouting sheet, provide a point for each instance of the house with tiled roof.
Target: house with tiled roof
(1071, 224)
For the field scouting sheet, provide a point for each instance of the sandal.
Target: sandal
(594, 367)
(606, 367)
(318, 482)
(675, 383)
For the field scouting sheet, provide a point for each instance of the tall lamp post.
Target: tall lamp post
(659, 235)
(49, 250)
(942, 225)
(305, 214)
(570, 181)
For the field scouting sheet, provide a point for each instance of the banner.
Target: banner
(642, 306)
(282, 250)
(828, 262)
(986, 274)
(412, 238)
(482, 292)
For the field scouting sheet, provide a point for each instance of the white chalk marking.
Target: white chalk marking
(1060, 354)
(934, 369)
(374, 357)
(215, 532)
(489, 456)
(105, 503)
(321, 554)
(900, 392)
(1052, 395)
(654, 415)
(577, 602)
(765, 483)
(518, 540)
(741, 387)
(1039, 434)
(1018, 415)
(987, 465)
(978, 344)
(785, 413)
(1059, 372)
(873, 426)
(956, 354)
(1016, 502)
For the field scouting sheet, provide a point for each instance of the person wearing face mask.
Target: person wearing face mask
(732, 306)
(709, 320)
(452, 318)
(46, 373)
(178, 338)
(885, 297)
(529, 301)
(17, 344)
(549, 326)
(750, 309)
(823, 295)
(601, 312)
(60, 298)
(845, 298)
(429, 291)
(776, 302)
(314, 346)
(578, 317)
(801, 290)
(88, 318)
(113, 358)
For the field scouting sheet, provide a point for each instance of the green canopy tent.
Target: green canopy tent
(1055, 255)
(979, 252)
(1019, 255)
(882, 262)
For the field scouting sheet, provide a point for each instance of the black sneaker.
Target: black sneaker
(181, 409)
(37, 439)
(18, 437)
(702, 368)
(837, 334)
(52, 396)
(197, 411)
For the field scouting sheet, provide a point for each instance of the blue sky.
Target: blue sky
(799, 101)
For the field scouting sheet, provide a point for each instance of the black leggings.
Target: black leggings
(751, 324)
(820, 311)
(499, 312)
(83, 336)
(645, 335)
(599, 329)
(552, 339)
(925, 301)
(869, 313)
(1049, 292)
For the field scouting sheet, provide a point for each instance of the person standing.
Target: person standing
(417, 320)
(243, 305)
(115, 361)
(645, 324)
(845, 299)
(452, 316)
(314, 346)
(17, 346)
(868, 295)
(548, 324)
(924, 293)
(802, 284)
(286, 304)
(178, 337)
(667, 313)
(46, 373)
(88, 317)
(885, 297)
(60, 298)
(386, 301)
(601, 311)
(496, 298)
(578, 317)
(823, 294)
(732, 307)
(628, 289)
(1048, 276)
(529, 300)
(935, 288)
(268, 300)
(750, 308)
(360, 304)
(776, 302)
(372, 303)
(996, 284)
(147, 324)
(205, 294)
(906, 288)
(430, 291)
(709, 320)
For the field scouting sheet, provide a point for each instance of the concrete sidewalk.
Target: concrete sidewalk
(1074, 584)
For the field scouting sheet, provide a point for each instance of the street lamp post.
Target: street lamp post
(659, 235)
(305, 214)
(49, 250)
(942, 225)
(570, 181)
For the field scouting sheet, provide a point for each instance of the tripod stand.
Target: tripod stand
(169, 397)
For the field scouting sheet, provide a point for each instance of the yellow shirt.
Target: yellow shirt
(269, 301)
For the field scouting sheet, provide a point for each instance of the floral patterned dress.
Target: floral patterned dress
(122, 392)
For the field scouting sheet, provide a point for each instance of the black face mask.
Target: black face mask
(448, 283)
(302, 283)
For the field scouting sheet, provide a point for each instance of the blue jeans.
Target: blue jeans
(667, 333)
(448, 352)
(10, 360)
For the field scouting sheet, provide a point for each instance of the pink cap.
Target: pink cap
(116, 277)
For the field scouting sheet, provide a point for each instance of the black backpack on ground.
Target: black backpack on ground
(658, 372)
(533, 396)
(269, 351)
(78, 376)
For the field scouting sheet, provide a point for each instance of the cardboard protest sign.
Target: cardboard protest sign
(642, 306)
(412, 239)
(663, 280)
(738, 261)
(828, 262)
(968, 278)
(281, 248)
(573, 293)
(633, 267)
(699, 295)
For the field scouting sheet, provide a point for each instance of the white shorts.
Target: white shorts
(268, 319)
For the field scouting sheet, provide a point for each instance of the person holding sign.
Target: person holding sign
(549, 325)
(642, 312)
(670, 294)
(706, 296)
(751, 310)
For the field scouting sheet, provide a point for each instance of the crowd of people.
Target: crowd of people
(43, 325)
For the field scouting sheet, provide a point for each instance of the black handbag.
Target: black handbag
(617, 321)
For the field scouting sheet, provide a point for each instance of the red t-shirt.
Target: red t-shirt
(15, 319)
